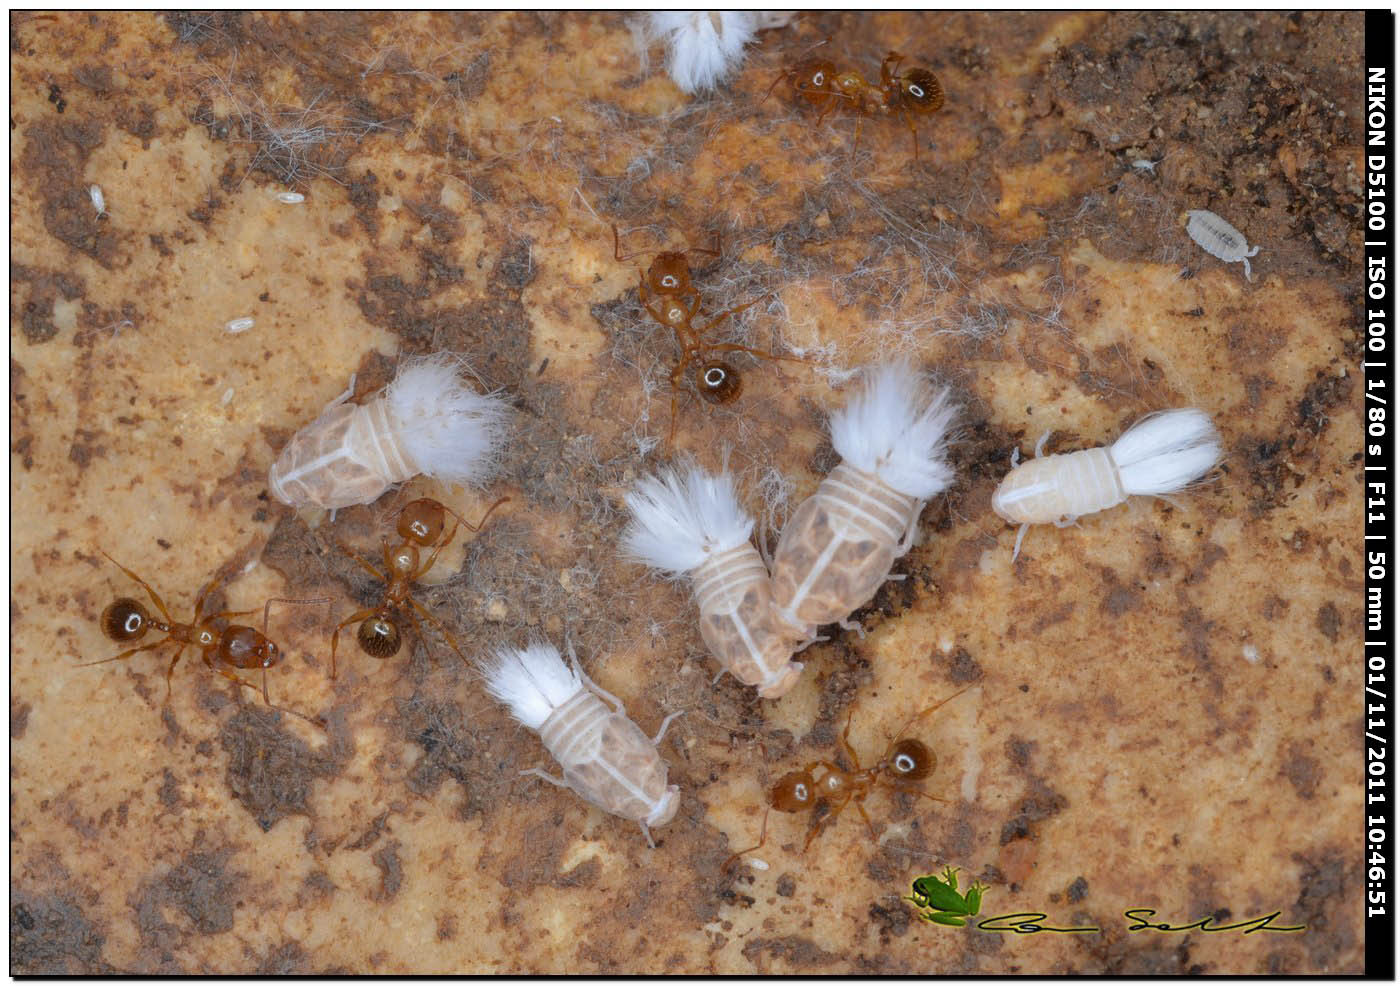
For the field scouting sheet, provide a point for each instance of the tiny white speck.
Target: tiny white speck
(1251, 653)
(252, 564)
(238, 325)
(290, 198)
(98, 201)
(228, 396)
(758, 864)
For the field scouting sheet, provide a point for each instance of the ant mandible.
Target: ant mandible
(915, 91)
(904, 762)
(669, 296)
(241, 647)
(420, 525)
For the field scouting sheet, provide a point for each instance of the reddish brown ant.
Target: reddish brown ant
(669, 296)
(904, 762)
(242, 647)
(420, 525)
(915, 91)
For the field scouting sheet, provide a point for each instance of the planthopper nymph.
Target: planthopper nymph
(840, 543)
(1162, 453)
(607, 760)
(428, 420)
(688, 522)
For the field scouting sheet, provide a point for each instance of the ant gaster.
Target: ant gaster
(669, 296)
(915, 91)
(905, 761)
(237, 646)
(420, 525)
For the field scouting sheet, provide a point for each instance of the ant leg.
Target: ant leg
(825, 823)
(762, 839)
(335, 636)
(913, 134)
(171, 669)
(160, 605)
(723, 315)
(617, 248)
(127, 653)
(936, 705)
(716, 250)
(846, 742)
(437, 624)
(1040, 445)
(784, 74)
(281, 599)
(361, 562)
(647, 832)
(860, 807)
(849, 625)
(230, 675)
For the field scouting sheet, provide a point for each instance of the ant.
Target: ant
(904, 761)
(915, 91)
(420, 525)
(242, 647)
(669, 296)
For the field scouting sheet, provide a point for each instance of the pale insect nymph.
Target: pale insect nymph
(236, 325)
(840, 543)
(690, 523)
(1162, 453)
(428, 420)
(607, 760)
(98, 201)
(1219, 239)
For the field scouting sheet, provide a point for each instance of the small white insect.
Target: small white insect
(1162, 453)
(99, 202)
(691, 523)
(1145, 164)
(227, 398)
(237, 325)
(290, 198)
(428, 420)
(607, 760)
(705, 47)
(839, 544)
(1219, 239)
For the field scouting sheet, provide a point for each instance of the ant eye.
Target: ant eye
(916, 91)
(819, 79)
(714, 377)
(669, 281)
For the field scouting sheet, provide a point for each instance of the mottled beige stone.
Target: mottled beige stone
(461, 174)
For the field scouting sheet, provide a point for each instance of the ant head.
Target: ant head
(921, 90)
(379, 637)
(911, 760)
(669, 273)
(422, 522)
(125, 619)
(244, 647)
(816, 75)
(794, 791)
(718, 382)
